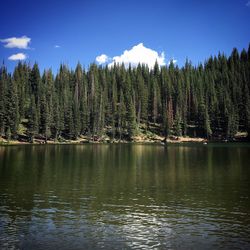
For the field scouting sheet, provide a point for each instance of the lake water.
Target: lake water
(125, 196)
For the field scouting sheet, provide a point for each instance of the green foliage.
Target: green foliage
(211, 100)
(33, 119)
(177, 124)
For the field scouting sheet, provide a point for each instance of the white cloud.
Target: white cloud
(102, 59)
(16, 42)
(140, 54)
(57, 46)
(17, 57)
(248, 4)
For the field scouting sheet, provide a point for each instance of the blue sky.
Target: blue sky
(84, 30)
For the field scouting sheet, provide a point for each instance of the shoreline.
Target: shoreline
(156, 140)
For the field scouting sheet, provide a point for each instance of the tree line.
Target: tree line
(209, 100)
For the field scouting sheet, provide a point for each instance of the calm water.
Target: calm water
(125, 197)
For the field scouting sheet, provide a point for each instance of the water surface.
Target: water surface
(125, 196)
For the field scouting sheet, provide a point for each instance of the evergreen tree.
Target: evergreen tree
(33, 119)
(3, 90)
(35, 82)
(12, 108)
(177, 124)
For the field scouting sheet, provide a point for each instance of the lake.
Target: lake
(125, 196)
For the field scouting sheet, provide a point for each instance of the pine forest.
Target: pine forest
(210, 100)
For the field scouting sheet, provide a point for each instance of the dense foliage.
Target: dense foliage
(209, 100)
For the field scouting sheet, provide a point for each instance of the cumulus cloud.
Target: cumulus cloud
(102, 59)
(17, 57)
(57, 46)
(16, 42)
(140, 54)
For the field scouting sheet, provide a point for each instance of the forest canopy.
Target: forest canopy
(210, 100)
